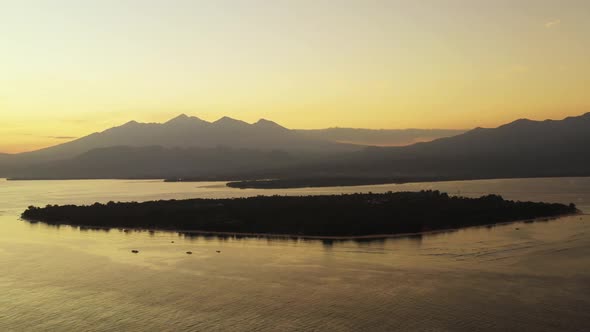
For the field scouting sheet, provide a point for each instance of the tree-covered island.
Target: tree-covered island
(329, 215)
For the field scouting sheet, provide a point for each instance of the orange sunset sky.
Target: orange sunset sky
(70, 68)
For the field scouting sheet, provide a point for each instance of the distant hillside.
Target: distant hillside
(5, 164)
(523, 148)
(156, 162)
(379, 137)
(184, 131)
(171, 149)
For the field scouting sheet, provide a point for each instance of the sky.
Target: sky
(70, 68)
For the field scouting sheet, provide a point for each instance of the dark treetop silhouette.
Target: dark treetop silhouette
(332, 215)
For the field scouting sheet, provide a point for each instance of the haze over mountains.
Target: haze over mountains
(188, 131)
(184, 131)
(523, 148)
(379, 137)
(232, 149)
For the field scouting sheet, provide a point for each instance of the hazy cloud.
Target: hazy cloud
(51, 137)
(552, 23)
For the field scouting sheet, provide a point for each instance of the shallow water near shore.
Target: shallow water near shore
(520, 276)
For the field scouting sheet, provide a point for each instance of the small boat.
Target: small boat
(189, 252)
(135, 251)
(218, 251)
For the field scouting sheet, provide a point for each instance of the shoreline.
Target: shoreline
(301, 236)
(232, 183)
(292, 183)
(337, 216)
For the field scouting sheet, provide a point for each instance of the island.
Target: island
(311, 182)
(346, 215)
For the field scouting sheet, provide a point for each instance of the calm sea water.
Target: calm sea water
(536, 278)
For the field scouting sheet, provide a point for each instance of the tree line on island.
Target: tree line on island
(327, 215)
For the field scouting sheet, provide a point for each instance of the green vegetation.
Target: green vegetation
(330, 215)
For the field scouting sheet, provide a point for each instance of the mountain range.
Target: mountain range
(522, 148)
(232, 149)
(184, 132)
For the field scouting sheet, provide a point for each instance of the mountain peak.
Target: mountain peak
(518, 123)
(264, 123)
(227, 121)
(180, 117)
(225, 118)
(183, 118)
(130, 123)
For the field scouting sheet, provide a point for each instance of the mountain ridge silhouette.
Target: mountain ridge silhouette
(522, 148)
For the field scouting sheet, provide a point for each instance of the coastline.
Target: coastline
(359, 182)
(231, 183)
(306, 237)
(344, 216)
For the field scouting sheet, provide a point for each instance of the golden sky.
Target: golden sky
(70, 68)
